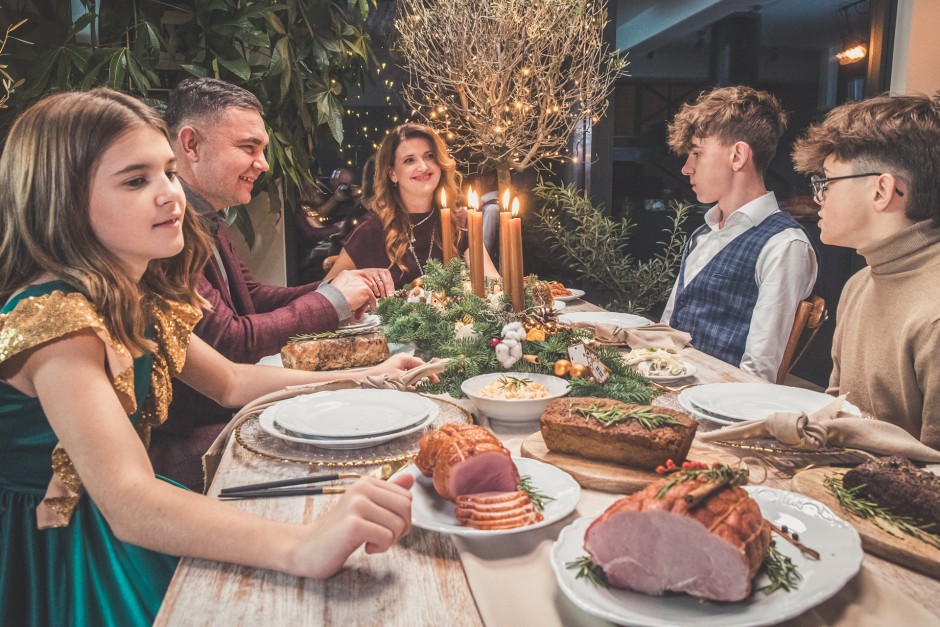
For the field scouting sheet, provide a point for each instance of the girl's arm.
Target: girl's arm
(83, 410)
(488, 268)
(234, 385)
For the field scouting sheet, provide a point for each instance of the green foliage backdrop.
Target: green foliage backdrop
(298, 56)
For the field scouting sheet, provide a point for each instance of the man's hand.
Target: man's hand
(379, 279)
(356, 290)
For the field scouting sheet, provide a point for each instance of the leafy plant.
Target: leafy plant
(597, 248)
(298, 56)
(6, 81)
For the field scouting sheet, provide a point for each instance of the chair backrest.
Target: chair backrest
(810, 315)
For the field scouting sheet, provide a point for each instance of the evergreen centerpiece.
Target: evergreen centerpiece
(443, 318)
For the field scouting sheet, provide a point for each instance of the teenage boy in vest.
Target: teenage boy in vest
(743, 272)
(876, 167)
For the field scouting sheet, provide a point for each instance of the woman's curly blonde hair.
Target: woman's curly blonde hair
(388, 205)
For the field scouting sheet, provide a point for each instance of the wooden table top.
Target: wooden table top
(420, 581)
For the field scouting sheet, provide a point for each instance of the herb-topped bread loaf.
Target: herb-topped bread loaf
(608, 430)
(336, 353)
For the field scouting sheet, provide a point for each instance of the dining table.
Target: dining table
(431, 578)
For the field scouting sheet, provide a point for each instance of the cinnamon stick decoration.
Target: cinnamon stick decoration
(699, 494)
(805, 550)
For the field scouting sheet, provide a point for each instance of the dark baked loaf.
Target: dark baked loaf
(900, 487)
(628, 442)
(353, 351)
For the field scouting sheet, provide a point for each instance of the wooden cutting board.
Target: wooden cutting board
(906, 551)
(607, 476)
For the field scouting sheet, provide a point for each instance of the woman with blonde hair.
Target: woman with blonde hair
(98, 304)
(412, 166)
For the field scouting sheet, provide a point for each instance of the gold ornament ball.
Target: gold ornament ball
(562, 366)
(579, 370)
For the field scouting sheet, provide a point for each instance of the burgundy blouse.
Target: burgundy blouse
(366, 245)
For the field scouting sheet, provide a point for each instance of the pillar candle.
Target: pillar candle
(515, 235)
(447, 230)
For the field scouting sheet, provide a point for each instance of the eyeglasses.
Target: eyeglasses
(821, 185)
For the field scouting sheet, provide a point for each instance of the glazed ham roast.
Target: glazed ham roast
(471, 467)
(336, 353)
(656, 545)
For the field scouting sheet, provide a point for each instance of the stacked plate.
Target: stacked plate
(731, 403)
(348, 419)
(622, 320)
(368, 321)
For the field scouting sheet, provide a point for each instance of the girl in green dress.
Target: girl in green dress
(99, 302)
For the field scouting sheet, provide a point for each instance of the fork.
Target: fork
(666, 388)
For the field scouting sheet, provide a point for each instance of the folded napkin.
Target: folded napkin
(405, 382)
(652, 336)
(829, 426)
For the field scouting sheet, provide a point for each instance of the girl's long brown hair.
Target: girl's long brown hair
(50, 158)
(388, 204)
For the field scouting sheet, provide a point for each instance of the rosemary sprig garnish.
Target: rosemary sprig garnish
(898, 526)
(712, 474)
(324, 335)
(781, 570)
(587, 569)
(538, 498)
(515, 383)
(647, 418)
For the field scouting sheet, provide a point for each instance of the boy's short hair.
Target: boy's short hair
(731, 114)
(206, 99)
(895, 134)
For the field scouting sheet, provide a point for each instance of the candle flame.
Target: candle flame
(443, 197)
(515, 207)
(506, 199)
(473, 201)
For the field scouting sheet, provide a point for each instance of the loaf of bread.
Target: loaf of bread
(619, 437)
(336, 353)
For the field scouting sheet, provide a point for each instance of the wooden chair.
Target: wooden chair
(810, 315)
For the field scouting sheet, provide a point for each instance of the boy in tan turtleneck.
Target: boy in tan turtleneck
(877, 178)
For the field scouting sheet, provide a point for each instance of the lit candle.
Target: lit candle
(505, 248)
(447, 229)
(475, 228)
(516, 269)
(506, 199)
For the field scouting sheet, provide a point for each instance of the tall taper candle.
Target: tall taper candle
(517, 283)
(447, 229)
(505, 246)
(475, 224)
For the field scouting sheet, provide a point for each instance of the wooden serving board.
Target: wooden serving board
(906, 551)
(608, 476)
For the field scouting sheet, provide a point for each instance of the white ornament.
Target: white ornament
(464, 331)
(417, 295)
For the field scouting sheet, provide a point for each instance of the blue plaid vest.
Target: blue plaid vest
(716, 306)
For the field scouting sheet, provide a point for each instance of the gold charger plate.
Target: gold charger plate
(251, 437)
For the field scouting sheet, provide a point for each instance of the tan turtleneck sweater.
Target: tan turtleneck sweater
(886, 349)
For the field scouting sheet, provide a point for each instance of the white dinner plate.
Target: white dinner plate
(697, 413)
(266, 421)
(575, 294)
(755, 401)
(366, 322)
(430, 511)
(351, 414)
(622, 320)
(558, 304)
(837, 542)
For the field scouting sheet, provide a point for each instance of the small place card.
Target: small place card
(584, 355)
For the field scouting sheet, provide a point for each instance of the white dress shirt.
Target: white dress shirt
(785, 274)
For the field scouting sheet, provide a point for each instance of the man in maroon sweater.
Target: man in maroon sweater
(220, 141)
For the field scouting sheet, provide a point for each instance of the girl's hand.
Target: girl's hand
(398, 364)
(372, 512)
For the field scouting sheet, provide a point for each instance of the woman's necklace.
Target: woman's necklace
(413, 226)
(411, 246)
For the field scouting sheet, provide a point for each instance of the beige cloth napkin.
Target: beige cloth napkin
(406, 382)
(652, 336)
(830, 426)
